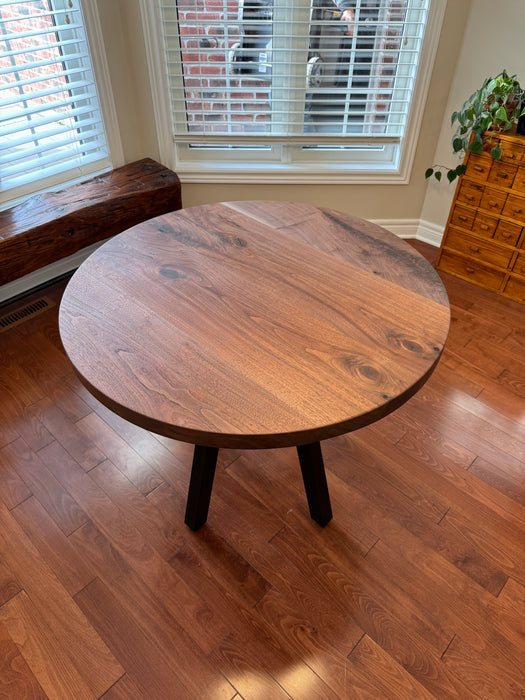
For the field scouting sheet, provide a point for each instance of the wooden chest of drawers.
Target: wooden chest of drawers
(484, 240)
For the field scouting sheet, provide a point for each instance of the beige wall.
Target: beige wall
(126, 57)
(493, 41)
(126, 53)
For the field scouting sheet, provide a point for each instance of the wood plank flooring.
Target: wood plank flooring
(416, 588)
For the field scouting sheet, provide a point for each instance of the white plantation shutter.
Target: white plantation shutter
(265, 72)
(50, 120)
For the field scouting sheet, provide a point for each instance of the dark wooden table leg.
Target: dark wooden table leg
(314, 477)
(201, 482)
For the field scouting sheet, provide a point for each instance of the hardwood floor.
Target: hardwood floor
(416, 588)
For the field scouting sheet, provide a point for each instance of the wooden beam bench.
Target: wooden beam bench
(48, 227)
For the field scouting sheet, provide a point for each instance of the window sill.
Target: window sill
(288, 174)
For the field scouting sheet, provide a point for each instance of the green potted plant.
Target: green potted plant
(496, 106)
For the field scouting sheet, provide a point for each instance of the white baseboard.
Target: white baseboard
(404, 228)
(413, 228)
(25, 284)
(430, 233)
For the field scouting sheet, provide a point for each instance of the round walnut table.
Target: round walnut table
(254, 325)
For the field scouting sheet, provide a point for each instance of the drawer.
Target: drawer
(461, 216)
(473, 271)
(519, 265)
(507, 233)
(502, 174)
(484, 251)
(515, 288)
(493, 200)
(519, 180)
(515, 207)
(470, 193)
(484, 225)
(510, 152)
(478, 166)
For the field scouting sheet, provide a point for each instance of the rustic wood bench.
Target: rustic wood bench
(48, 227)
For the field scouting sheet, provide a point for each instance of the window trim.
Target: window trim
(94, 36)
(397, 170)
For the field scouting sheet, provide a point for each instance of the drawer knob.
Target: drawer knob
(462, 218)
(473, 249)
(492, 203)
(470, 270)
(504, 234)
(517, 210)
(484, 227)
(469, 197)
(503, 175)
(478, 168)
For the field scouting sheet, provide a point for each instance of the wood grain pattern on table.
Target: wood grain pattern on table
(254, 324)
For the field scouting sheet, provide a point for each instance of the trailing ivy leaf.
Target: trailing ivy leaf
(475, 146)
(429, 172)
(468, 102)
(461, 169)
(451, 175)
(453, 117)
(457, 144)
(496, 153)
(437, 175)
(501, 114)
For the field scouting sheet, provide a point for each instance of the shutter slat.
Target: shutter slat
(48, 92)
(18, 122)
(33, 65)
(16, 36)
(70, 168)
(48, 140)
(27, 125)
(38, 158)
(41, 47)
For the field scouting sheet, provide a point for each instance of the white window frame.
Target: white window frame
(387, 164)
(94, 40)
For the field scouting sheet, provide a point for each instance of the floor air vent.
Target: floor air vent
(24, 312)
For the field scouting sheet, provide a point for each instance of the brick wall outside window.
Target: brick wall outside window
(389, 42)
(207, 79)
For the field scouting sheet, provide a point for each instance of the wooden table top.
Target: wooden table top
(254, 324)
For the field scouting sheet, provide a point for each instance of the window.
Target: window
(291, 87)
(51, 126)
